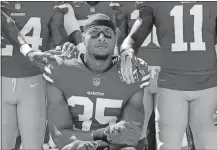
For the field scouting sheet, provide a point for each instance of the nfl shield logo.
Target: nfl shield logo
(17, 6)
(92, 9)
(96, 81)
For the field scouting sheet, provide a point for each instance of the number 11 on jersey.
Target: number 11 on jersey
(180, 45)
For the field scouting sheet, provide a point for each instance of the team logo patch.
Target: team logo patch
(17, 6)
(96, 81)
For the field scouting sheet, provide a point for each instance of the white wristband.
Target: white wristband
(25, 49)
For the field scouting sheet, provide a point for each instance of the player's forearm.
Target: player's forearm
(58, 31)
(137, 35)
(140, 30)
(121, 35)
(121, 22)
(75, 37)
(59, 36)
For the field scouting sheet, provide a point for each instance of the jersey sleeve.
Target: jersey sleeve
(48, 73)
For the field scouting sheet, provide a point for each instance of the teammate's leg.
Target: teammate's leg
(201, 119)
(190, 139)
(151, 133)
(215, 117)
(148, 107)
(9, 114)
(18, 143)
(172, 118)
(151, 130)
(32, 113)
(147, 101)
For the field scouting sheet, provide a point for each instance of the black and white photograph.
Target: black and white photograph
(108, 75)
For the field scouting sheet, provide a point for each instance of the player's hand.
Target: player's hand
(128, 66)
(64, 53)
(68, 50)
(134, 70)
(38, 56)
(86, 145)
(124, 133)
(81, 145)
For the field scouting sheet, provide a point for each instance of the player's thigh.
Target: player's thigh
(201, 119)
(171, 108)
(171, 118)
(203, 108)
(9, 115)
(32, 113)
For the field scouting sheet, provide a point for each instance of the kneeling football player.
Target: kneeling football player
(88, 106)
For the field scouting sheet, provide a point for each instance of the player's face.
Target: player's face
(100, 42)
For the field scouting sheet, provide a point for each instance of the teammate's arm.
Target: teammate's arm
(121, 22)
(58, 32)
(130, 47)
(71, 24)
(140, 30)
(10, 30)
(73, 29)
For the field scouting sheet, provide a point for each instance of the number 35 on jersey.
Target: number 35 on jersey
(94, 112)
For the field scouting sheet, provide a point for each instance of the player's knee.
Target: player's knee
(173, 127)
(8, 143)
(9, 135)
(200, 124)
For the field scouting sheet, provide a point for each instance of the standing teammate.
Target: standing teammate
(188, 76)
(149, 50)
(23, 97)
